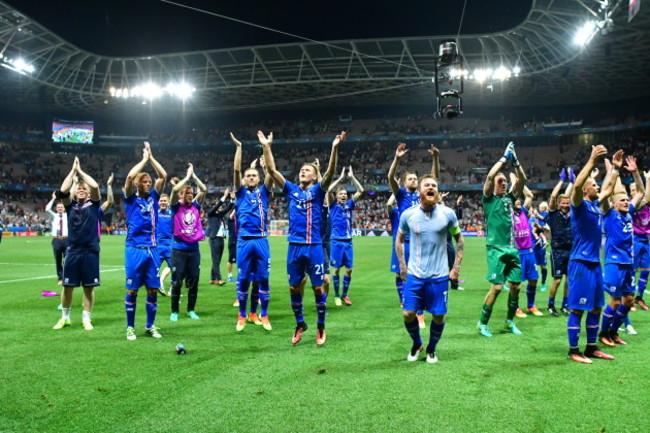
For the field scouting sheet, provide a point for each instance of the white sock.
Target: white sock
(85, 316)
(65, 313)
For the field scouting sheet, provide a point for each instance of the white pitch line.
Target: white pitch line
(50, 276)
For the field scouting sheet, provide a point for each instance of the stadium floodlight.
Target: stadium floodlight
(586, 33)
(181, 90)
(18, 65)
(448, 80)
(482, 74)
(147, 91)
(502, 73)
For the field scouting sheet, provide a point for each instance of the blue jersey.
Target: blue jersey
(587, 228)
(164, 228)
(428, 246)
(619, 247)
(341, 219)
(83, 225)
(394, 222)
(560, 225)
(252, 211)
(543, 218)
(141, 219)
(305, 212)
(406, 199)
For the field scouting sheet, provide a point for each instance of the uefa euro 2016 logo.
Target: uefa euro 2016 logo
(189, 219)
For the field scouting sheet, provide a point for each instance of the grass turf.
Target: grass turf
(79, 381)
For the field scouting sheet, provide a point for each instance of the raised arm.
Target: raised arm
(67, 183)
(236, 179)
(488, 186)
(161, 174)
(173, 199)
(552, 202)
(392, 181)
(130, 177)
(334, 158)
(269, 160)
(49, 205)
(201, 186)
(631, 166)
(390, 203)
(597, 152)
(528, 200)
(610, 181)
(90, 182)
(338, 180)
(435, 166)
(268, 180)
(519, 185)
(109, 194)
(357, 195)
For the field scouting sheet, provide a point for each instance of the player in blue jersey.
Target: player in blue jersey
(619, 252)
(253, 253)
(141, 256)
(427, 273)
(584, 271)
(341, 218)
(188, 232)
(559, 221)
(305, 254)
(164, 237)
(81, 265)
(408, 196)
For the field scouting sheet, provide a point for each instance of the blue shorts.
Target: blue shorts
(305, 259)
(394, 262)
(585, 285)
(559, 262)
(618, 279)
(254, 259)
(81, 268)
(641, 253)
(142, 266)
(528, 268)
(426, 294)
(540, 255)
(342, 254)
(165, 253)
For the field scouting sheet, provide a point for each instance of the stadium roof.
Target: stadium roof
(554, 70)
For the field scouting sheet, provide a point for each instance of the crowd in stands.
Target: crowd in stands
(43, 164)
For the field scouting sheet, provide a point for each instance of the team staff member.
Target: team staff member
(59, 235)
(217, 232)
(188, 232)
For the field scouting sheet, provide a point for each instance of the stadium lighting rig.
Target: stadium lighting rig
(18, 64)
(601, 12)
(150, 91)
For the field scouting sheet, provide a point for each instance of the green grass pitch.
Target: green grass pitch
(73, 380)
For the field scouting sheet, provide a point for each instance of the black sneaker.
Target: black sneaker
(553, 311)
(565, 311)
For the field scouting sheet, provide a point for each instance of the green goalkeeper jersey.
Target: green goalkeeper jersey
(498, 220)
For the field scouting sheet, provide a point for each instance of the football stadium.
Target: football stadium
(336, 217)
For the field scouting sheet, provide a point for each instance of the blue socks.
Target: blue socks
(608, 317)
(255, 297)
(592, 327)
(152, 307)
(530, 295)
(573, 329)
(399, 284)
(321, 306)
(643, 283)
(619, 316)
(346, 284)
(129, 306)
(413, 328)
(265, 296)
(296, 306)
(544, 270)
(242, 296)
(337, 283)
(434, 336)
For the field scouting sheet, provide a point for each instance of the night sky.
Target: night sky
(142, 27)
